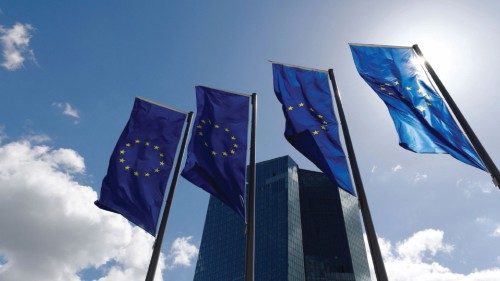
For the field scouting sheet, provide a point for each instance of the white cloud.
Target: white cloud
(492, 227)
(51, 229)
(37, 138)
(419, 177)
(483, 220)
(182, 252)
(15, 45)
(470, 187)
(67, 109)
(411, 259)
(496, 232)
(397, 168)
(429, 241)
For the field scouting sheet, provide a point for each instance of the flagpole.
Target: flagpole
(163, 224)
(378, 262)
(490, 165)
(250, 224)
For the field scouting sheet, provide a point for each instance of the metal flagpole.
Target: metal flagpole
(161, 232)
(490, 165)
(378, 262)
(250, 226)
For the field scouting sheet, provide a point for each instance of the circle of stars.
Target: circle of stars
(201, 132)
(135, 172)
(386, 88)
(319, 117)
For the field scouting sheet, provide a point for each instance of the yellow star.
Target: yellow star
(128, 144)
(290, 108)
(224, 153)
(226, 129)
(156, 147)
(146, 174)
(162, 163)
(324, 122)
(216, 126)
(235, 145)
(206, 144)
(161, 154)
(420, 90)
(199, 126)
(233, 137)
(311, 109)
(323, 127)
(137, 141)
(147, 143)
(122, 160)
(214, 153)
(387, 84)
(127, 168)
(200, 133)
(320, 116)
(122, 151)
(157, 170)
(203, 121)
(396, 83)
(315, 132)
(382, 88)
(408, 88)
(209, 121)
(232, 151)
(421, 108)
(136, 173)
(301, 104)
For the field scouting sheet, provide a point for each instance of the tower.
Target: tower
(306, 229)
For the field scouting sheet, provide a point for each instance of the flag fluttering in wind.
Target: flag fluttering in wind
(311, 124)
(140, 164)
(217, 152)
(421, 117)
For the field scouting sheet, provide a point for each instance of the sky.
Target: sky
(69, 72)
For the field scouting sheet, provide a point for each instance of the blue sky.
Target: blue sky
(86, 61)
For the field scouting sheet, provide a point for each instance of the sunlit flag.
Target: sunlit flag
(421, 117)
(311, 125)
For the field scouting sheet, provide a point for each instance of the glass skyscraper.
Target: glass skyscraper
(307, 229)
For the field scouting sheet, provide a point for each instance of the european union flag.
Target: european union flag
(141, 163)
(217, 152)
(421, 117)
(311, 125)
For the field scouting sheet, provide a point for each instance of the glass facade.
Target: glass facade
(332, 235)
(303, 231)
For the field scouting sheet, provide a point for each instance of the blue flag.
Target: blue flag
(311, 125)
(141, 163)
(217, 152)
(421, 117)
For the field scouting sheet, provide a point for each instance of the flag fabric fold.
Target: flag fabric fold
(217, 152)
(140, 164)
(311, 124)
(422, 119)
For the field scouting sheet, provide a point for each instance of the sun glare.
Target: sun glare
(439, 55)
